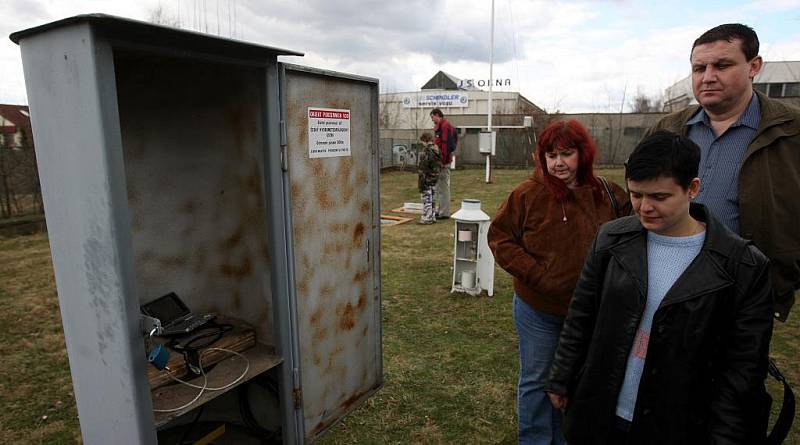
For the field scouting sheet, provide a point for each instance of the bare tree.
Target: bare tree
(160, 16)
(641, 103)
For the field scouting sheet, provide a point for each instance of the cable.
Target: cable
(249, 419)
(205, 387)
(246, 369)
(172, 410)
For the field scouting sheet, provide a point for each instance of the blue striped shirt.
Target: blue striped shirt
(720, 160)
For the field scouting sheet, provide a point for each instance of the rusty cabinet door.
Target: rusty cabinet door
(331, 138)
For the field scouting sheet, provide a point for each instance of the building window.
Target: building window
(775, 90)
(789, 89)
(636, 132)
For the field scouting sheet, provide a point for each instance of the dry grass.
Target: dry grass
(450, 360)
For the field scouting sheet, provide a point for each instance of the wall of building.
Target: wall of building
(616, 134)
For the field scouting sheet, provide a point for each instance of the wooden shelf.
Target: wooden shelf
(261, 357)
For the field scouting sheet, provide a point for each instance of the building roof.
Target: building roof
(444, 81)
(14, 118)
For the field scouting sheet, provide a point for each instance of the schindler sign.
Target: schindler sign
(436, 100)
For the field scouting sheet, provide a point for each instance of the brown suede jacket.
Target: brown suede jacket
(544, 253)
(769, 192)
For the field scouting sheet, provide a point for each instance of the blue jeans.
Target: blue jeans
(539, 422)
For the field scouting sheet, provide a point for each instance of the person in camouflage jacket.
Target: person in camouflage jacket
(429, 163)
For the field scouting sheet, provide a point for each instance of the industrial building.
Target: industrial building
(778, 80)
(405, 116)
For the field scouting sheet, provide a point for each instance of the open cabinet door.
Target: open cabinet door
(331, 139)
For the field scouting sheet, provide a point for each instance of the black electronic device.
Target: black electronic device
(174, 316)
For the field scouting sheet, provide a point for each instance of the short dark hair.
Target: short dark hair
(729, 32)
(664, 154)
(437, 112)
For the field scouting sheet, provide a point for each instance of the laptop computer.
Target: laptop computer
(174, 315)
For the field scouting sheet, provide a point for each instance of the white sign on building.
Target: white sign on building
(436, 100)
(328, 132)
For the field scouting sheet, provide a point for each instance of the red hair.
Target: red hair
(568, 134)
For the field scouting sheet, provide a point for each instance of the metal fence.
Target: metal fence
(399, 153)
(20, 193)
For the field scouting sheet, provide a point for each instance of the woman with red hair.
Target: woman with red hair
(540, 235)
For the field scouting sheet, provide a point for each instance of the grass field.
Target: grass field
(450, 361)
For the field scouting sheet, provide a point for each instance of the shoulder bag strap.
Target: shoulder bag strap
(611, 197)
(784, 422)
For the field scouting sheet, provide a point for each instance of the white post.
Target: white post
(491, 82)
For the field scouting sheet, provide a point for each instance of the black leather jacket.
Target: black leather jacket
(703, 378)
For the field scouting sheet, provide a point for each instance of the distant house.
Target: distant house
(778, 80)
(15, 127)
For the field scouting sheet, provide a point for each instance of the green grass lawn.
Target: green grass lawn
(450, 360)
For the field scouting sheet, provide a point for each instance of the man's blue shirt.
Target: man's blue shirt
(720, 160)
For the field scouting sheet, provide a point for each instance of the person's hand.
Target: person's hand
(559, 402)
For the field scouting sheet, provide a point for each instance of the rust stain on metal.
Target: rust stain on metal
(362, 301)
(361, 276)
(362, 178)
(322, 426)
(188, 207)
(333, 249)
(353, 399)
(343, 172)
(234, 239)
(316, 316)
(326, 291)
(346, 315)
(302, 113)
(365, 206)
(302, 288)
(239, 270)
(339, 227)
(324, 199)
(320, 333)
(322, 185)
(358, 234)
(296, 190)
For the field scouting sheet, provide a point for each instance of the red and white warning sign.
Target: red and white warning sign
(328, 132)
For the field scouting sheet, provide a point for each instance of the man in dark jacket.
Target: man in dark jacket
(667, 334)
(445, 139)
(750, 144)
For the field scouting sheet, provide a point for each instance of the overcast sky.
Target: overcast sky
(570, 56)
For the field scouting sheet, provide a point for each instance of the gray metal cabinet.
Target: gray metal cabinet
(177, 161)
